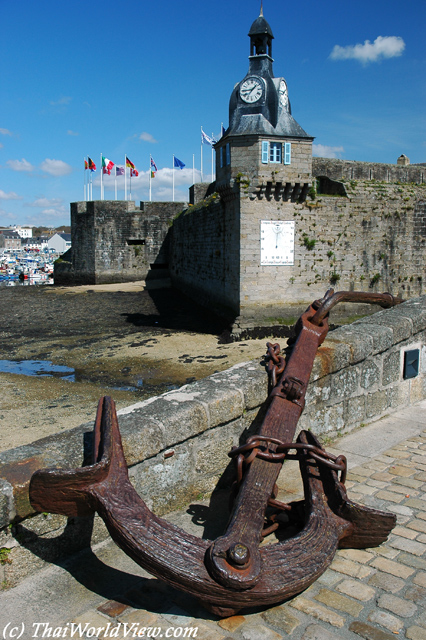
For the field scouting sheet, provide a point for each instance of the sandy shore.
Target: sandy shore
(120, 340)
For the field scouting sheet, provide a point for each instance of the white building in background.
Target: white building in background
(60, 242)
(23, 232)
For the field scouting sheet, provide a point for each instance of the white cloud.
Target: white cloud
(56, 212)
(72, 133)
(20, 165)
(61, 102)
(46, 202)
(5, 132)
(4, 215)
(382, 47)
(55, 167)
(1, 146)
(323, 151)
(147, 137)
(161, 185)
(9, 196)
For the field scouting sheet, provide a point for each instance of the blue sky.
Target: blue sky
(79, 79)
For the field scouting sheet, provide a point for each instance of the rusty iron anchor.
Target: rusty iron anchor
(233, 572)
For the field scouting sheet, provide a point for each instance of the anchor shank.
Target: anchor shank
(234, 558)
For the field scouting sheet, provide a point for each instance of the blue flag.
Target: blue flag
(178, 163)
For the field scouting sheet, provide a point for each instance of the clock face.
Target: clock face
(282, 92)
(276, 242)
(251, 90)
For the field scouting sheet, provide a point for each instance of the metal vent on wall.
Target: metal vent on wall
(411, 363)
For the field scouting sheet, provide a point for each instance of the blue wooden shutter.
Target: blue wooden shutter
(265, 151)
(287, 153)
(228, 153)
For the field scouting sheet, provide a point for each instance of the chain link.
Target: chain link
(276, 362)
(261, 446)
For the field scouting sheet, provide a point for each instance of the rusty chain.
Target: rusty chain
(276, 362)
(260, 446)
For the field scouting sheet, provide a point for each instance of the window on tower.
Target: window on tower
(276, 152)
(225, 155)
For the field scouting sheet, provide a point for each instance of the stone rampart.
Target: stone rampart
(115, 241)
(379, 171)
(176, 444)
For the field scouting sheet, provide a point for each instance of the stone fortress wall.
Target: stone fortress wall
(364, 228)
(115, 241)
(363, 233)
(176, 444)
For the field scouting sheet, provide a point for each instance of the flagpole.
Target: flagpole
(173, 174)
(201, 154)
(115, 182)
(125, 177)
(150, 171)
(212, 160)
(84, 180)
(102, 180)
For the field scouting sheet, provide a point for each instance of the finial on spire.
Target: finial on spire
(261, 8)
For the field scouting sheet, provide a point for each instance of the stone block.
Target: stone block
(249, 378)
(370, 373)
(381, 335)
(375, 404)
(327, 419)
(361, 344)
(391, 367)
(331, 357)
(415, 310)
(401, 326)
(170, 418)
(344, 383)
(355, 410)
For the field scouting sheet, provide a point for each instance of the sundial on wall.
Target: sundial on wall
(276, 242)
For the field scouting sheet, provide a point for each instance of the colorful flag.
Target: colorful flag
(134, 172)
(152, 174)
(119, 171)
(153, 165)
(86, 165)
(205, 139)
(92, 165)
(129, 163)
(178, 163)
(107, 165)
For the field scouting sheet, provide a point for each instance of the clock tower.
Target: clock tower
(263, 143)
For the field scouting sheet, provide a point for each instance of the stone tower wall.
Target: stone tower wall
(205, 254)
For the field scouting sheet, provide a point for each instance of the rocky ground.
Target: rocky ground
(119, 340)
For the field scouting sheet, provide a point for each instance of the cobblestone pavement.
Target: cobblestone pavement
(375, 594)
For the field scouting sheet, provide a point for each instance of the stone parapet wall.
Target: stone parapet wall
(354, 170)
(176, 444)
